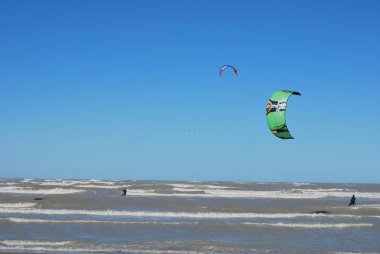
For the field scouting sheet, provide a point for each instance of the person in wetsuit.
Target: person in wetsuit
(353, 199)
(124, 192)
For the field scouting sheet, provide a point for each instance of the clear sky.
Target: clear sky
(130, 90)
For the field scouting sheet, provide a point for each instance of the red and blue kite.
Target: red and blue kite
(224, 67)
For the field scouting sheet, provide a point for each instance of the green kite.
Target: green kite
(276, 109)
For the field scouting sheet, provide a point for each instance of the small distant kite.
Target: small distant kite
(276, 108)
(224, 67)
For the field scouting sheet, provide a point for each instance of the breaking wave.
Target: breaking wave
(279, 224)
(74, 182)
(198, 215)
(33, 243)
(28, 190)
(310, 225)
(93, 186)
(17, 205)
(77, 247)
(43, 221)
(286, 194)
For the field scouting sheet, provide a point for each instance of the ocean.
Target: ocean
(91, 216)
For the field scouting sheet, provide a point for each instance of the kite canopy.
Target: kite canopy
(276, 109)
(224, 67)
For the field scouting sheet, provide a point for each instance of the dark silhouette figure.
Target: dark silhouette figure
(38, 198)
(124, 192)
(321, 212)
(353, 200)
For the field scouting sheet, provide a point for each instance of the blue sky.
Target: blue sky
(130, 90)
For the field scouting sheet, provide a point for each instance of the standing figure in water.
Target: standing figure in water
(353, 199)
(124, 192)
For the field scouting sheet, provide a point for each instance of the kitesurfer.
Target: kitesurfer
(124, 192)
(353, 199)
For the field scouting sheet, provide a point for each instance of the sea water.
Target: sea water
(91, 216)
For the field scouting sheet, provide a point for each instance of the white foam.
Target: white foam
(72, 182)
(371, 206)
(33, 243)
(198, 186)
(28, 190)
(27, 180)
(91, 250)
(51, 183)
(7, 184)
(108, 182)
(198, 215)
(193, 190)
(80, 183)
(93, 186)
(187, 189)
(301, 184)
(322, 190)
(353, 252)
(310, 225)
(44, 221)
(69, 246)
(279, 224)
(286, 194)
(17, 205)
(357, 207)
